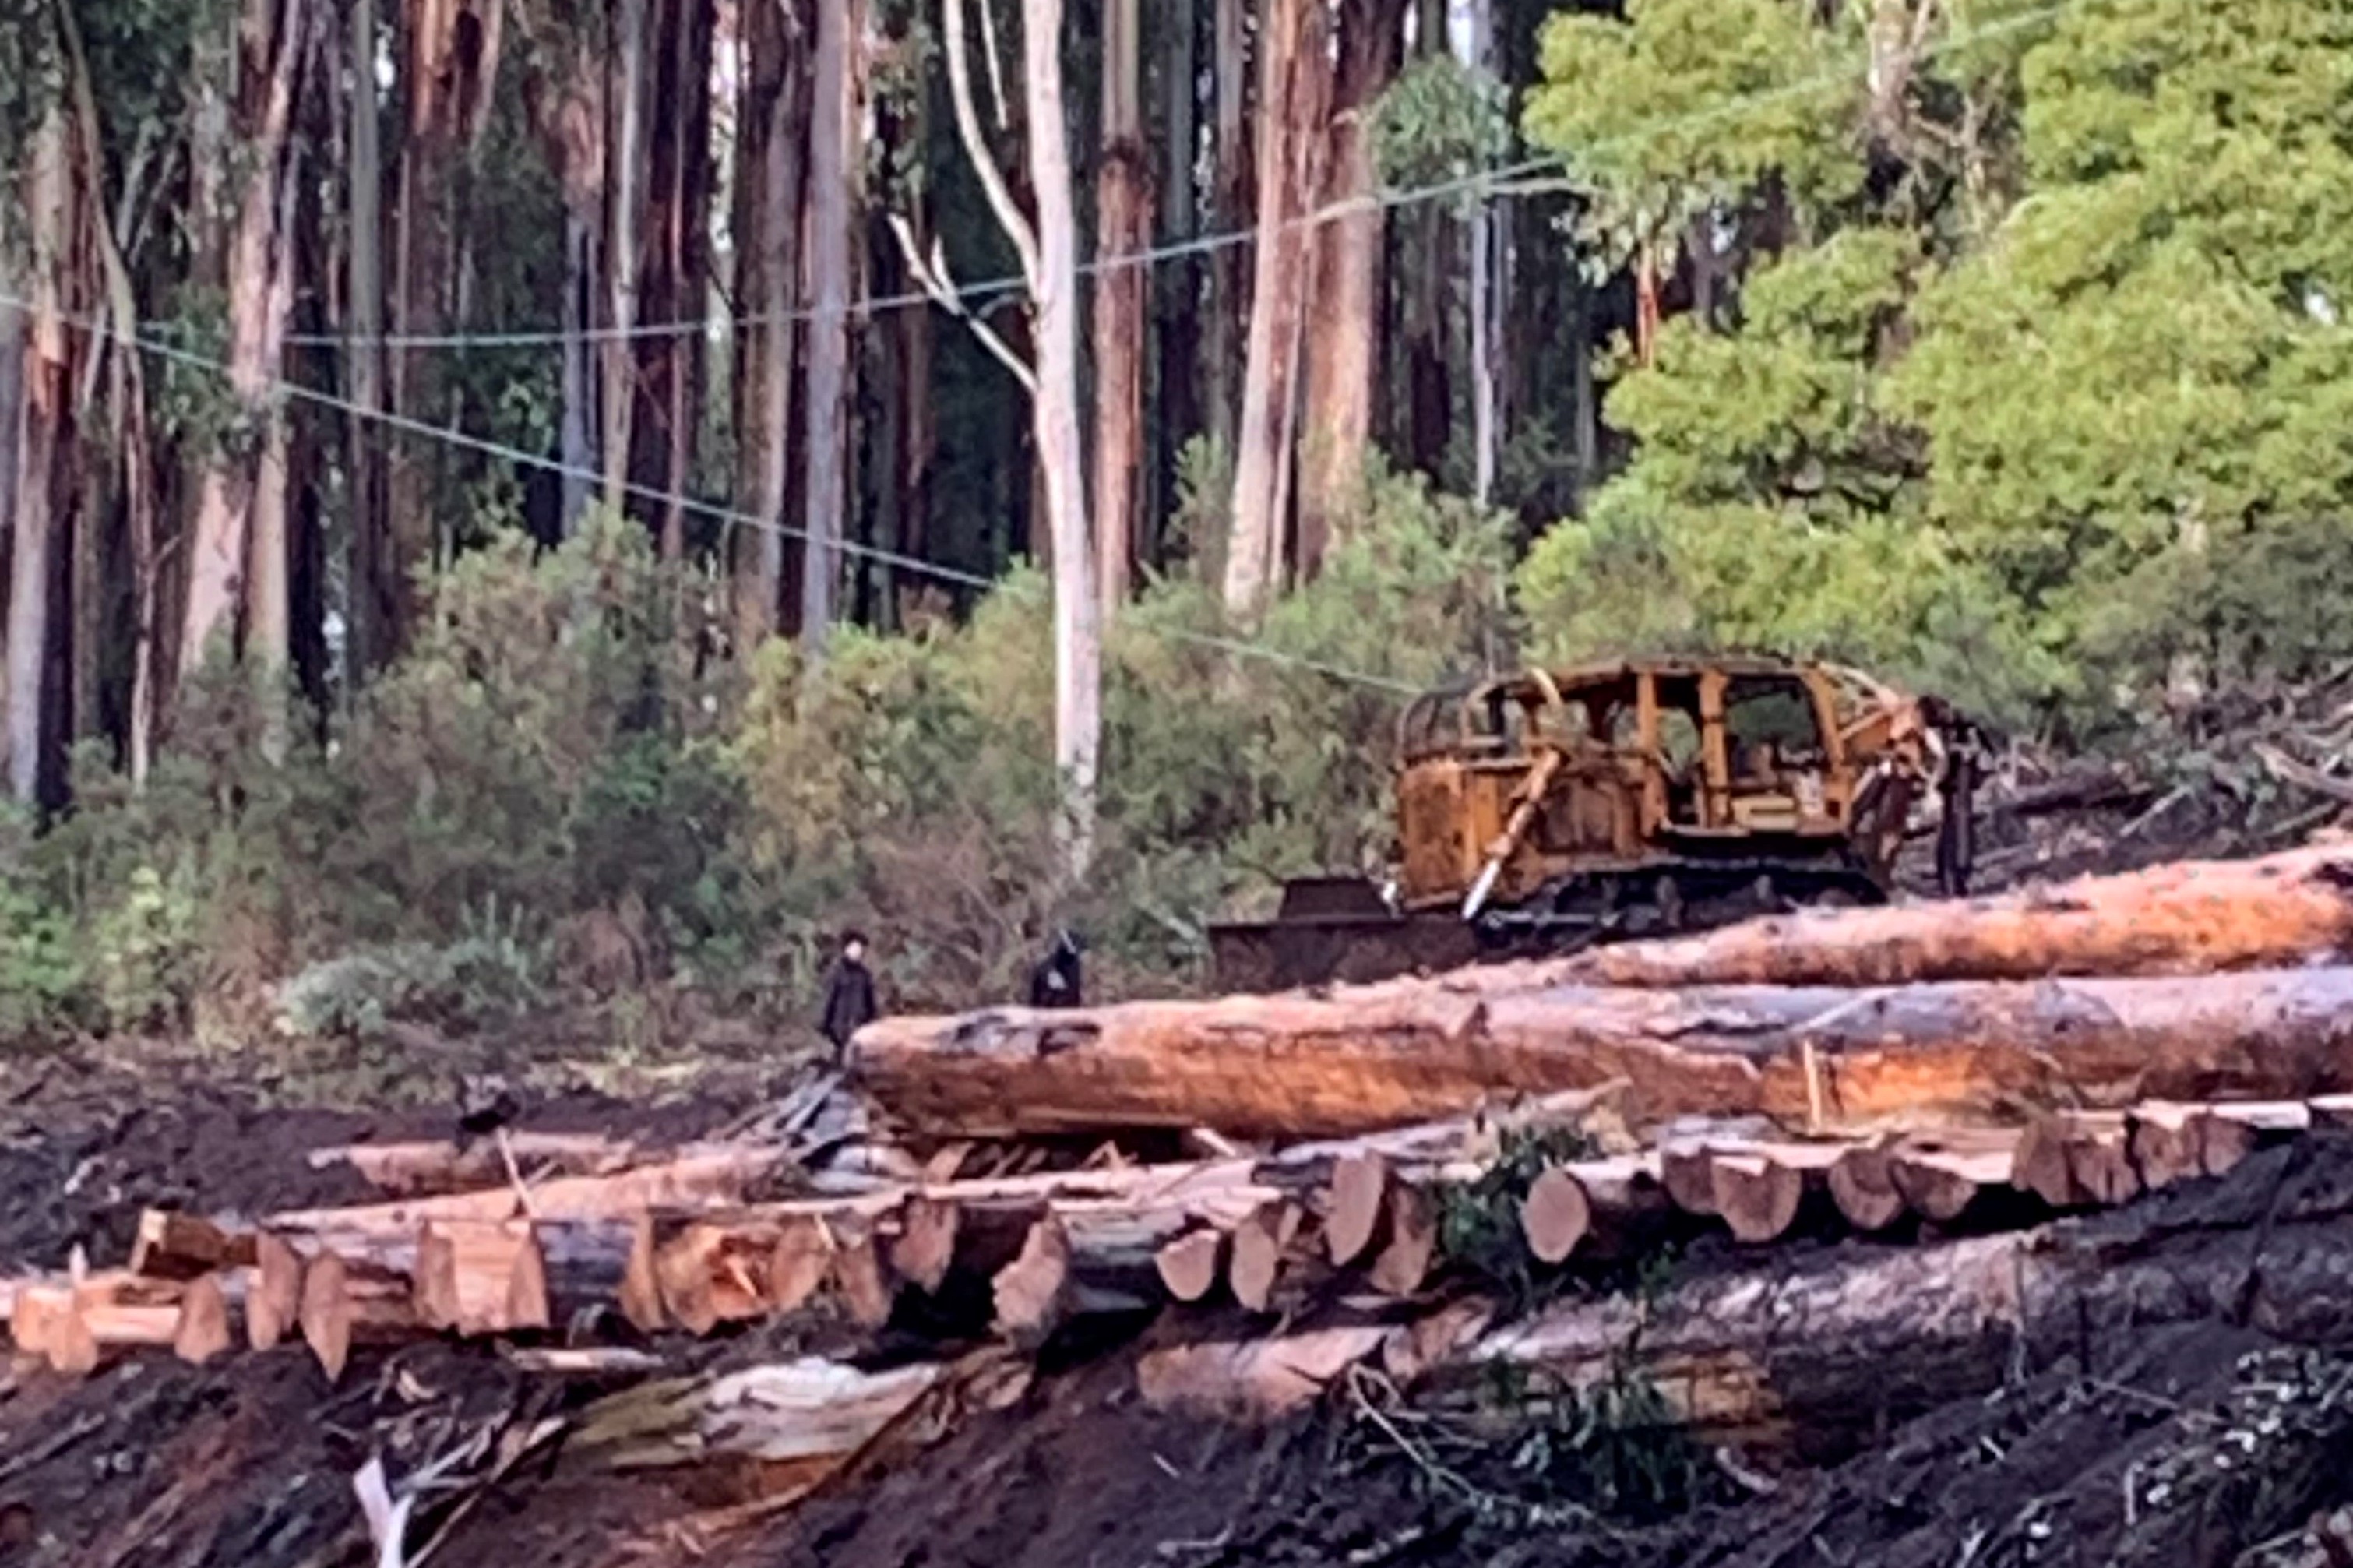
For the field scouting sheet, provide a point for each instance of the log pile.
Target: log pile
(1387, 1173)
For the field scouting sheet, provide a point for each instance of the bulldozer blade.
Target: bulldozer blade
(1290, 954)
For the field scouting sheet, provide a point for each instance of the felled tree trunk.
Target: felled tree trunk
(2192, 917)
(1299, 1067)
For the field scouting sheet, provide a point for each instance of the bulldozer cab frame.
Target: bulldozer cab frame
(1613, 767)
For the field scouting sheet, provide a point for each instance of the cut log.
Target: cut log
(1404, 1263)
(810, 1413)
(1029, 1290)
(426, 1168)
(173, 1246)
(326, 1314)
(1360, 1184)
(271, 1306)
(1305, 1067)
(1191, 1264)
(1254, 1379)
(202, 1332)
(1851, 1342)
(1939, 1180)
(2189, 919)
(2041, 1165)
(640, 1296)
(719, 1177)
(1257, 1253)
(798, 1263)
(2227, 1133)
(1862, 1184)
(2099, 1158)
(480, 1277)
(863, 1278)
(1758, 1190)
(925, 1246)
(2332, 1110)
(1555, 1215)
(2166, 1143)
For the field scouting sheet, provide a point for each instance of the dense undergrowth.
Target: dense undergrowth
(571, 790)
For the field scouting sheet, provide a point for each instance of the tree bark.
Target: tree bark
(1122, 227)
(371, 624)
(2190, 918)
(1299, 1067)
(826, 451)
(1343, 351)
(1078, 647)
(1294, 83)
(1486, 437)
(44, 390)
(776, 129)
(625, 188)
(269, 644)
(14, 360)
(1229, 186)
(1177, 281)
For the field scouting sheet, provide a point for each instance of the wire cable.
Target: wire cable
(1200, 244)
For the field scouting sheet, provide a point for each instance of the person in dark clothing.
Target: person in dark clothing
(849, 1003)
(1056, 982)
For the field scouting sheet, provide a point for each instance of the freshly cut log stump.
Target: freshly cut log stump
(271, 1306)
(2227, 1133)
(1404, 1263)
(1360, 1185)
(1939, 1180)
(2166, 1143)
(1758, 1190)
(202, 1332)
(1191, 1264)
(1862, 1184)
(1555, 1215)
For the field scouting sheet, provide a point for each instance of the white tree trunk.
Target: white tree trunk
(1484, 436)
(626, 182)
(827, 447)
(1077, 649)
(260, 294)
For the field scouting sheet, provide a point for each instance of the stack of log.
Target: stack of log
(1908, 1076)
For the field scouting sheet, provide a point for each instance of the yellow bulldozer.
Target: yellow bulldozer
(1541, 812)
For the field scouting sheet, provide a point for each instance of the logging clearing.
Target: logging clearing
(1721, 1235)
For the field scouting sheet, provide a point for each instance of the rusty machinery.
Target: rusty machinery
(1546, 809)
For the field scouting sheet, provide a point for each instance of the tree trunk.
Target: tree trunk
(1343, 351)
(776, 131)
(262, 293)
(1229, 211)
(1177, 414)
(1078, 648)
(826, 449)
(1294, 81)
(15, 506)
(1430, 390)
(1295, 1067)
(1486, 437)
(268, 643)
(625, 188)
(43, 391)
(675, 285)
(576, 446)
(1122, 226)
(371, 624)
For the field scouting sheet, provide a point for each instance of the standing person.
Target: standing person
(1055, 983)
(849, 996)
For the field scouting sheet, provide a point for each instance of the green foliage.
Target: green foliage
(490, 974)
(1615, 1447)
(1438, 121)
(1479, 1221)
(1683, 106)
(2039, 463)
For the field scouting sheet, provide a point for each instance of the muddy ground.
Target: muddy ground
(2199, 1444)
